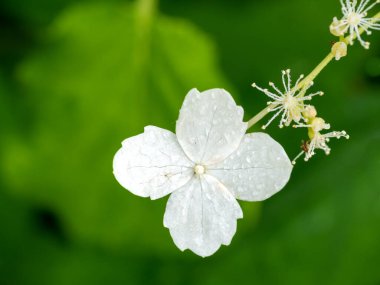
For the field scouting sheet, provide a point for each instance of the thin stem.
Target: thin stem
(261, 115)
(315, 71)
(307, 79)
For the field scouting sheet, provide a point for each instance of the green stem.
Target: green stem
(316, 71)
(304, 82)
(261, 115)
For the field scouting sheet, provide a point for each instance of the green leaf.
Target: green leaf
(105, 72)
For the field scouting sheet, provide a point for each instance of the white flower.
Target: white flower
(318, 140)
(354, 20)
(289, 103)
(207, 165)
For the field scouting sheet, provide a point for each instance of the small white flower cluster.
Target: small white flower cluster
(290, 102)
(317, 140)
(355, 21)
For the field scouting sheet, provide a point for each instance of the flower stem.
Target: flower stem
(316, 71)
(304, 82)
(261, 115)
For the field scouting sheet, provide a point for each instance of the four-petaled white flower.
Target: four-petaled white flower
(354, 20)
(207, 165)
(289, 103)
(318, 140)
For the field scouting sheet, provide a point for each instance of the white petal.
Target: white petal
(201, 216)
(210, 125)
(257, 170)
(152, 164)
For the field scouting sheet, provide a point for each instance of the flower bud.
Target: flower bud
(337, 28)
(339, 50)
(309, 112)
(319, 124)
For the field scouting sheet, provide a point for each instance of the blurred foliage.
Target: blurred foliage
(78, 78)
(101, 75)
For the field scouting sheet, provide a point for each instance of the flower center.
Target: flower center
(290, 102)
(199, 169)
(354, 18)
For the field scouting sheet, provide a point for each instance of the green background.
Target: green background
(77, 77)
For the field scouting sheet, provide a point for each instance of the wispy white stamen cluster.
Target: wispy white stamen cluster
(354, 20)
(288, 103)
(317, 140)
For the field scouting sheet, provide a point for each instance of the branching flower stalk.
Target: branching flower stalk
(355, 23)
(309, 78)
(306, 80)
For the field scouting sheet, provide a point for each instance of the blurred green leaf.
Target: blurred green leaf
(39, 12)
(105, 72)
